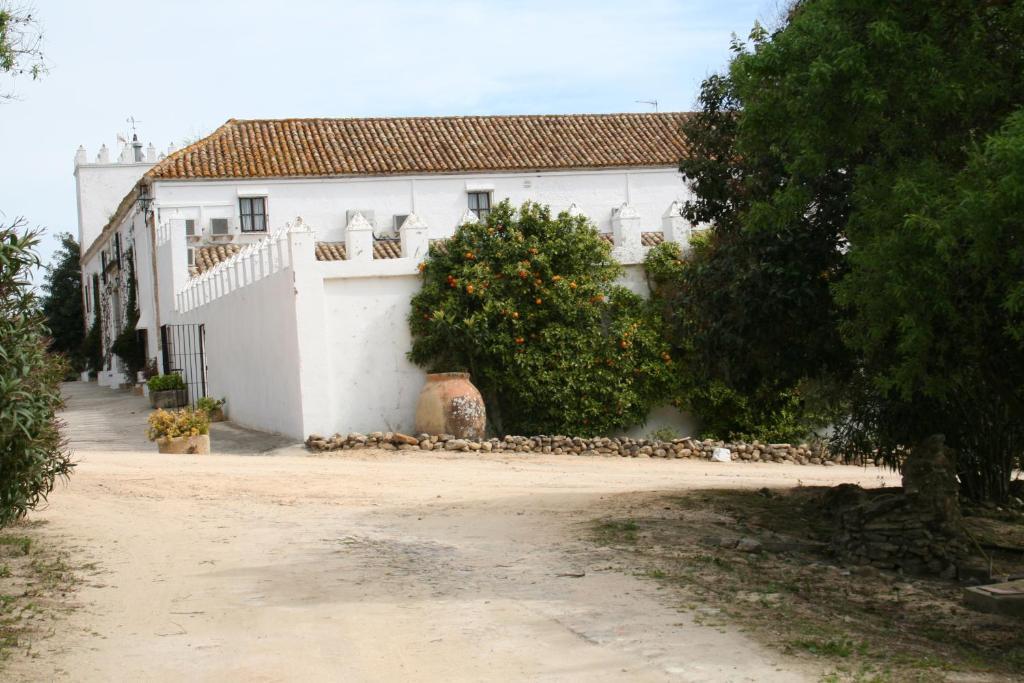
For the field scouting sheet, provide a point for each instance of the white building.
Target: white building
(277, 258)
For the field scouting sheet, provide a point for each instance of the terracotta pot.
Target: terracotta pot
(450, 404)
(197, 445)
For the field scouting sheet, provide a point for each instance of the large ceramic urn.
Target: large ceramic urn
(450, 404)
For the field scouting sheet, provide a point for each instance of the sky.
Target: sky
(183, 67)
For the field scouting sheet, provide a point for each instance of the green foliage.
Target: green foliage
(208, 404)
(945, 348)
(171, 424)
(92, 344)
(32, 452)
(170, 382)
(62, 303)
(828, 161)
(20, 43)
(129, 345)
(526, 303)
(766, 409)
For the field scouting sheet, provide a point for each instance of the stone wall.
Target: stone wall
(916, 529)
(802, 454)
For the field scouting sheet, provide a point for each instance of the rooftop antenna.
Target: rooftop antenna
(133, 123)
(653, 103)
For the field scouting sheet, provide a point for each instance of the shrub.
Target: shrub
(527, 304)
(208, 404)
(166, 382)
(760, 410)
(171, 424)
(33, 454)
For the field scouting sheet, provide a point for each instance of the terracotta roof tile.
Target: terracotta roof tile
(387, 146)
(647, 239)
(387, 249)
(208, 257)
(652, 239)
(330, 251)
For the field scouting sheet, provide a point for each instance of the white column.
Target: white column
(415, 239)
(359, 239)
(626, 230)
(675, 227)
(316, 394)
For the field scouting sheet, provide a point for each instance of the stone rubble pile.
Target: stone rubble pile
(802, 454)
(917, 528)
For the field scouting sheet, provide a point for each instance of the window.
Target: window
(399, 219)
(190, 226)
(253, 211)
(218, 226)
(480, 204)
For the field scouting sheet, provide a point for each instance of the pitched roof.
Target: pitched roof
(280, 148)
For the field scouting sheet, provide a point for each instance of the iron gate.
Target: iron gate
(184, 352)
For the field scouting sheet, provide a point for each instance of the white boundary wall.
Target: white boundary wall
(298, 346)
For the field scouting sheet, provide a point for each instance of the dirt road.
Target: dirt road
(369, 565)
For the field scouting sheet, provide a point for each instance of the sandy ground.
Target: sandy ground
(369, 565)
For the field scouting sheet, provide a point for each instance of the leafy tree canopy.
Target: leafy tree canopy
(21, 41)
(62, 301)
(831, 161)
(526, 302)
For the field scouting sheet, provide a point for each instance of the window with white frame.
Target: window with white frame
(253, 212)
(480, 204)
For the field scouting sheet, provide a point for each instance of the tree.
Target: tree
(526, 302)
(62, 302)
(21, 40)
(832, 141)
(32, 452)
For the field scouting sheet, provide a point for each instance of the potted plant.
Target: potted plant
(180, 431)
(167, 391)
(213, 407)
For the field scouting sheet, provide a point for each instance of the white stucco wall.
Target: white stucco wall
(100, 188)
(252, 353)
(373, 385)
(439, 200)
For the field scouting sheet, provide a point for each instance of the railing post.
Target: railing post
(675, 227)
(359, 239)
(414, 237)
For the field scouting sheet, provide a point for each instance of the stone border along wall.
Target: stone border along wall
(756, 451)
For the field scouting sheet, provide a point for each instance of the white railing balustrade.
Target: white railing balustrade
(249, 265)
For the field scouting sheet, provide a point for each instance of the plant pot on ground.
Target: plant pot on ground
(213, 407)
(180, 431)
(167, 391)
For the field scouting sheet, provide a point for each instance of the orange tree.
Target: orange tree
(526, 302)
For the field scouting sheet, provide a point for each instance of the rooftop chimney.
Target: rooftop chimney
(137, 148)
